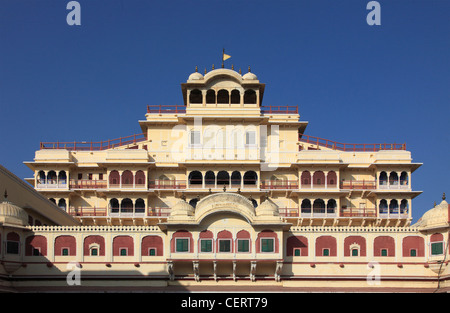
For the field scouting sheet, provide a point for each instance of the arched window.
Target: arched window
(114, 205)
(123, 246)
(51, 177)
(210, 97)
(404, 179)
(195, 178)
(319, 179)
(393, 178)
(393, 207)
(384, 246)
(306, 179)
(139, 206)
(383, 180)
(114, 178)
(331, 179)
(12, 243)
(306, 206)
(250, 97)
(52, 200)
(250, 178)
(318, 206)
(383, 208)
(62, 204)
(331, 206)
(254, 202)
(235, 96)
(41, 179)
(243, 241)
(223, 178)
(127, 179)
(236, 179)
(195, 96)
(94, 245)
(223, 96)
(62, 177)
(297, 246)
(210, 179)
(404, 206)
(36, 245)
(126, 206)
(139, 178)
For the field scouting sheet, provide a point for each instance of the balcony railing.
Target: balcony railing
(393, 185)
(286, 109)
(364, 147)
(119, 212)
(359, 184)
(87, 184)
(167, 184)
(358, 212)
(181, 109)
(275, 184)
(94, 145)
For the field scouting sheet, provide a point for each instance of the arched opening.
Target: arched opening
(62, 204)
(383, 180)
(223, 97)
(236, 179)
(306, 179)
(114, 205)
(306, 206)
(393, 178)
(139, 179)
(127, 179)
(223, 178)
(41, 179)
(319, 179)
(114, 178)
(195, 96)
(404, 179)
(331, 206)
(62, 177)
(235, 96)
(250, 178)
(139, 206)
(210, 179)
(250, 97)
(126, 206)
(318, 206)
(51, 177)
(331, 179)
(404, 206)
(254, 202)
(195, 178)
(393, 207)
(210, 97)
(52, 200)
(383, 207)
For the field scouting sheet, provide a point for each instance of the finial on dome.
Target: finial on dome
(196, 69)
(249, 69)
(240, 71)
(5, 194)
(183, 196)
(232, 66)
(205, 71)
(213, 66)
(224, 188)
(443, 196)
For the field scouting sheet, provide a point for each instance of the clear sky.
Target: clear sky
(352, 82)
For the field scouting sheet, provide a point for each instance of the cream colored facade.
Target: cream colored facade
(224, 190)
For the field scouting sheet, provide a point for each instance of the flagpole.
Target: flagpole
(223, 54)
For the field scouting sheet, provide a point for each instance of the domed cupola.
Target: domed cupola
(249, 75)
(11, 214)
(267, 208)
(436, 217)
(182, 208)
(196, 75)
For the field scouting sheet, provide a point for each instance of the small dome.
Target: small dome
(249, 76)
(195, 76)
(267, 208)
(12, 214)
(182, 208)
(436, 217)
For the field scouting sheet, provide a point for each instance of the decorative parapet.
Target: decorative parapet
(95, 229)
(350, 229)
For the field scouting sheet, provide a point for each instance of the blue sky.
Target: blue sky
(352, 82)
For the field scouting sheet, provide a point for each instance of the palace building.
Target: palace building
(220, 191)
